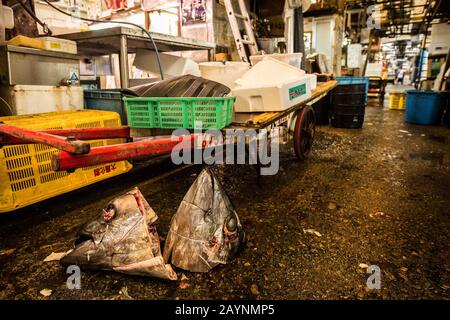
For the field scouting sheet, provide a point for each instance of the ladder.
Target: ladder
(241, 40)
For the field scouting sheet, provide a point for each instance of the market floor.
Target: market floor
(376, 196)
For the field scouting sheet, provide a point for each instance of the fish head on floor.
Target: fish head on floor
(206, 230)
(122, 238)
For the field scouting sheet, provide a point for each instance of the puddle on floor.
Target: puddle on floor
(440, 139)
(435, 157)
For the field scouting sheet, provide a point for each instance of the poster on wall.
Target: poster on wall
(194, 11)
(116, 4)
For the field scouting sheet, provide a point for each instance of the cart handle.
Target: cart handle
(78, 133)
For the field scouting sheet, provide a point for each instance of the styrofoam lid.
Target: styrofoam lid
(269, 72)
(225, 64)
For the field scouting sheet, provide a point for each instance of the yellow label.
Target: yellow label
(55, 45)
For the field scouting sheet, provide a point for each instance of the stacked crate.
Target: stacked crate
(26, 174)
(348, 102)
(397, 100)
(107, 100)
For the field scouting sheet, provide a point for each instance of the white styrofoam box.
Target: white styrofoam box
(60, 45)
(31, 99)
(224, 72)
(173, 66)
(272, 98)
(294, 59)
(272, 85)
(268, 72)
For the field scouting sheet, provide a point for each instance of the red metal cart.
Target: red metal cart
(76, 153)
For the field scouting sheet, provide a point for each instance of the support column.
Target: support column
(123, 62)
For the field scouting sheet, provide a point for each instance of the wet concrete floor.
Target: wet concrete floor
(376, 196)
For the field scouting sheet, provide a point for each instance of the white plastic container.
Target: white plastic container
(294, 59)
(27, 99)
(59, 45)
(272, 85)
(226, 73)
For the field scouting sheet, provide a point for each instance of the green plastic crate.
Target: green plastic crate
(179, 112)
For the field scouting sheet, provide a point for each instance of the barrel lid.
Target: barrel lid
(430, 92)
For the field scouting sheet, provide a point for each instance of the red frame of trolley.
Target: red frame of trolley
(77, 153)
(74, 153)
(79, 134)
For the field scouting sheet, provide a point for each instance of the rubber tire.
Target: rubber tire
(304, 131)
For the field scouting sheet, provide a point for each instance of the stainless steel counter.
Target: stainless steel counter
(123, 40)
(28, 66)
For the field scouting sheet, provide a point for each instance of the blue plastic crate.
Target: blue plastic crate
(107, 100)
(355, 80)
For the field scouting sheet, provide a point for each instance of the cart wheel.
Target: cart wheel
(305, 127)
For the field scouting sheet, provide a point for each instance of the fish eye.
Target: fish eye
(231, 224)
(109, 212)
(111, 207)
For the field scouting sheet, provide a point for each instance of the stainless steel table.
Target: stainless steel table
(123, 40)
(28, 66)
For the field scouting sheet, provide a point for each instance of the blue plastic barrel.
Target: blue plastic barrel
(423, 107)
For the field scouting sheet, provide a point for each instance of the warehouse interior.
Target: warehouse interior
(224, 150)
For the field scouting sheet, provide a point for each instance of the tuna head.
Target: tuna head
(122, 238)
(206, 230)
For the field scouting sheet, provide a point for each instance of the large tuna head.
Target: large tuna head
(122, 238)
(206, 230)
